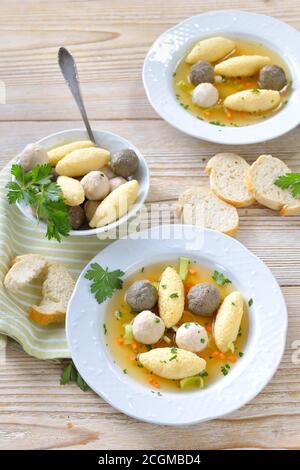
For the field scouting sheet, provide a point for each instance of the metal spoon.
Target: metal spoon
(69, 70)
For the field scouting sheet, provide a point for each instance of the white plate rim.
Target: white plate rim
(245, 381)
(161, 95)
(143, 175)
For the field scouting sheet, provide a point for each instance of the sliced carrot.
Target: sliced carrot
(231, 358)
(215, 354)
(152, 381)
(208, 328)
(207, 113)
(222, 356)
(132, 358)
(193, 271)
(228, 114)
(134, 345)
(248, 85)
(237, 80)
(120, 341)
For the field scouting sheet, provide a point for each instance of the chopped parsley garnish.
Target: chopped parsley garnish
(255, 90)
(143, 269)
(118, 314)
(220, 279)
(104, 329)
(289, 181)
(250, 302)
(35, 188)
(103, 282)
(174, 295)
(124, 371)
(241, 354)
(204, 373)
(164, 286)
(157, 320)
(202, 340)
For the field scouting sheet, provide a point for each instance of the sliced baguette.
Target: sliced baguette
(56, 292)
(24, 269)
(259, 180)
(199, 206)
(227, 173)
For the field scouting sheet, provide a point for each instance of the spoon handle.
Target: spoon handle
(69, 70)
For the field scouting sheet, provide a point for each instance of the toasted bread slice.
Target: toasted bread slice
(227, 174)
(199, 206)
(56, 292)
(25, 268)
(259, 180)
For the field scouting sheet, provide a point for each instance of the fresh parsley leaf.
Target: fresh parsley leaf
(220, 279)
(289, 181)
(104, 282)
(35, 188)
(70, 374)
(250, 302)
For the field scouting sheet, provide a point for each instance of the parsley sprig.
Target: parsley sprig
(70, 374)
(104, 282)
(35, 188)
(289, 181)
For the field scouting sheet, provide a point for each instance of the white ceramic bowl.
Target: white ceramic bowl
(113, 143)
(262, 353)
(172, 45)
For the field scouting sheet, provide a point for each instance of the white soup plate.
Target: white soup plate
(262, 353)
(172, 46)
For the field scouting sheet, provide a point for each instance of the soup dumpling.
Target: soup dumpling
(172, 363)
(170, 297)
(253, 101)
(212, 50)
(241, 66)
(228, 321)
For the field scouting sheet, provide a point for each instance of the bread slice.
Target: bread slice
(227, 173)
(24, 269)
(199, 206)
(259, 180)
(56, 292)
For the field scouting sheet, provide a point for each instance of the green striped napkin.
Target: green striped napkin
(19, 235)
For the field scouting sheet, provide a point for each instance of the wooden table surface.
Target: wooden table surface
(109, 40)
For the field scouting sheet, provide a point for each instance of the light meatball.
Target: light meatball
(203, 299)
(147, 328)
(205, 95)
(33, 154)
(191, 337)
(142, 295)
(124, 163)
(96, 185)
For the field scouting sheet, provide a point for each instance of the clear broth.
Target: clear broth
(126, 357)
(217, 114)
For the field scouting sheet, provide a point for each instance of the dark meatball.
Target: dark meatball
(124, 163)
(142, 295)
(203, 299)
(272, 77)
(77, 216)
(202, 72)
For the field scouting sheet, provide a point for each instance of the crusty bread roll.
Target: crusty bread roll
(259, 180)
(227, 174)
(199, 206)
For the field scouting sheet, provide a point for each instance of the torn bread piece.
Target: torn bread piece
(199, 206)
(260, 181)
(24, 269)
(227, 174)
(56, 292)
